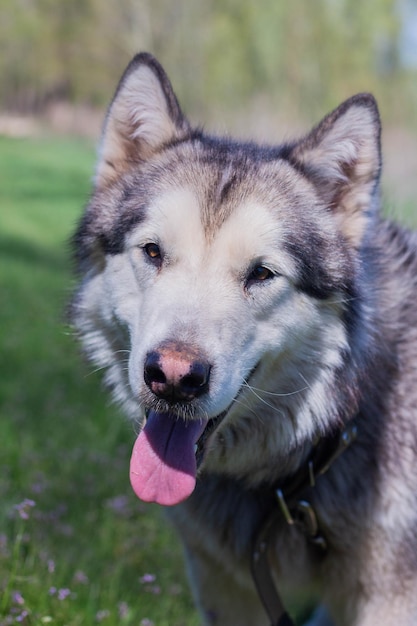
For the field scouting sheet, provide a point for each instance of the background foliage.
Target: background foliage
(304, 56)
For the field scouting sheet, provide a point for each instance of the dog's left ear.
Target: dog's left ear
(143, 116)
(342, 156)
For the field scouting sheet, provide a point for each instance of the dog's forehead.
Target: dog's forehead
(179, 216)
(217, 185)
(193, 218)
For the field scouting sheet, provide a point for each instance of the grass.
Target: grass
(76, 546)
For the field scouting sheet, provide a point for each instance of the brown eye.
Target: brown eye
(260, 273)
(153, 251)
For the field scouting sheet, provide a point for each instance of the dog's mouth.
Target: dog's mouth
(211, 426)
(166, 455)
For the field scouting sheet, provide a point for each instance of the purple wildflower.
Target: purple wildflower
(147, 578)
(17, 598)
(63, 594)
(81, 578)
(23, 508)
(101, 615)
(123, 610)
(119, 505)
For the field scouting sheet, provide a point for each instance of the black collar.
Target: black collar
(295, 509)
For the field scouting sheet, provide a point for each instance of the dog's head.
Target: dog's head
(220, 280)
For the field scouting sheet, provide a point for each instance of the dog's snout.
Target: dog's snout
(176, 373)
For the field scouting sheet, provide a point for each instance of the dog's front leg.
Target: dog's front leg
(223, 598)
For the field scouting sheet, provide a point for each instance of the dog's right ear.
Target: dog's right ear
(143, 115)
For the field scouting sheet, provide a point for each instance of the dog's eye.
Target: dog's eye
(260, 273)
(153, 251)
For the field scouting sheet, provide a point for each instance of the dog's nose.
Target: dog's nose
(176, 373)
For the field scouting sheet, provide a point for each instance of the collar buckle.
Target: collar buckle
(304, 516)
(301, 512)
(347, 437)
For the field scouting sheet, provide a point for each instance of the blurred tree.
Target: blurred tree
(306, 56)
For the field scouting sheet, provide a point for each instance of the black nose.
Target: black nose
(176, 373)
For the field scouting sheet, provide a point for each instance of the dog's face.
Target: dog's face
(216, 299)
(220, 277)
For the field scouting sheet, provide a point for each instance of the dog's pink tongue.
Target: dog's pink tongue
(163, 466)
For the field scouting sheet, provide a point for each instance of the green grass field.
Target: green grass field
(76, 546)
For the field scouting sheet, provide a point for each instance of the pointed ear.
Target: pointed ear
(143, 115)
(342, 156)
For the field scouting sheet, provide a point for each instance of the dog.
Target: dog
(256, 316)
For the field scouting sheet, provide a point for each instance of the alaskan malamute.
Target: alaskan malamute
(258, 318)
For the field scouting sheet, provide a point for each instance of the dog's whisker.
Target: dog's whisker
(271, 406)
(304, 379)
(95, 370)
(271, 393)
(254, 392)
